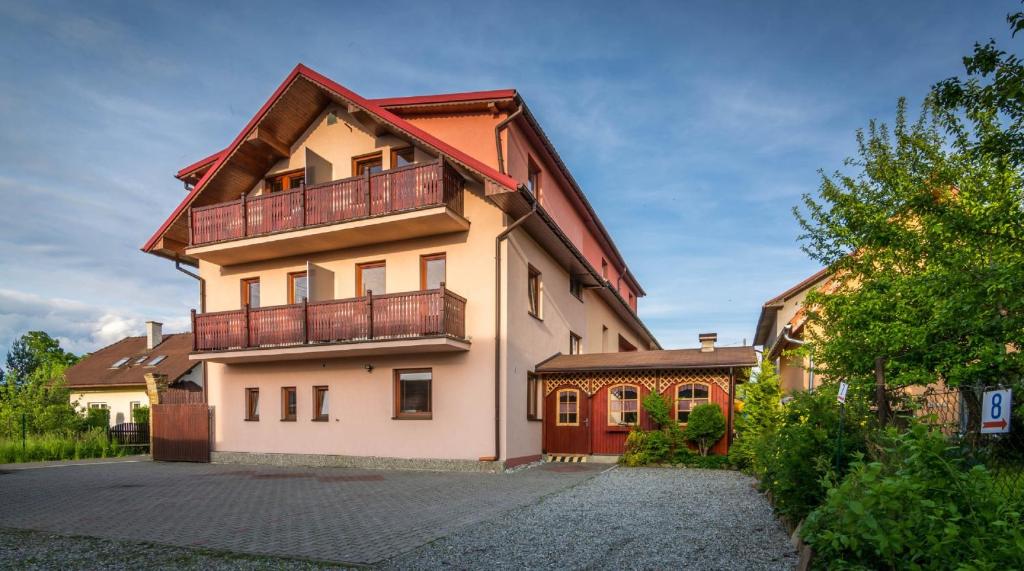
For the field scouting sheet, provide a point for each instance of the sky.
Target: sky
(693, 127)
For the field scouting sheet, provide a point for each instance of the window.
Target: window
(140, 360)
(576, 287)
(632, 301)
(568, 407)
(298, 287)
(251, 292)
(432, 271)
(289, 403)
(534, 291)
(286, 181)
(575, 344)
(604, 269)
(102, 405)
(156, 360)
(532, 396)
(402, 157)
(689, 395)
(623, 405)
(367, 164)
(119, 363)
(134, 405)
(370, 277)
(252, 404)
(412, 393)
(533, 179)
(320, 404)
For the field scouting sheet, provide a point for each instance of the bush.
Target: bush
(655, 446)
(759, 416)
(919, 507)
(800, 456)
(140, 415)
(91, 444)
(97, 418)
(705, 427)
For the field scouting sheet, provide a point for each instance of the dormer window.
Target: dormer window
(140, 360)
(156, 360)
(286, 181)
(119, 363)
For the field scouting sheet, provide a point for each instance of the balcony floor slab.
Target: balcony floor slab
(335, 350)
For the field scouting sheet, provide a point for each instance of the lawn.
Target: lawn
(38, 448)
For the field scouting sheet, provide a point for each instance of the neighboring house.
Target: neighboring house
(114, 376)
(380, 278)
(780, 328)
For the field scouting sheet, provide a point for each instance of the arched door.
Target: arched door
(567, 421)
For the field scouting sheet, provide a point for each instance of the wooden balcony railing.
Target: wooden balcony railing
(389, 192)
(428, 313)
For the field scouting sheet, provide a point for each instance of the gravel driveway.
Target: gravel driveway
(626, 518)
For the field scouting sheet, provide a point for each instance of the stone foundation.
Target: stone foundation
(364, 462)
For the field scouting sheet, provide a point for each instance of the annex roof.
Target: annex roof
(721, 357)
(96, 369)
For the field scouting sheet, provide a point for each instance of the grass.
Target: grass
(40, 448)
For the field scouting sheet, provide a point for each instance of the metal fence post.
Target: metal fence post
(24, 431)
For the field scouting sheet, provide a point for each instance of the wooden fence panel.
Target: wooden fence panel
(181, 432)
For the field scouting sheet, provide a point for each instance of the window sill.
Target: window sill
(618, 428)
(534, 419)
(324, 419)
(425, 416)
(287, 420)
(251, 419)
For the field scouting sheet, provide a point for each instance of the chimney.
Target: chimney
(154, 334)
(707, 341)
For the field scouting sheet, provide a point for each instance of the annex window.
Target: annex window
(575, 344)
(432, 271)
(320, 405)
(623, 405)
(568, 407)
(688, 396)
(251, 292)
(402, 157)
(252, 404)
(298, 287)
(576, 287)
(533, 179)
(534, 291)
(413, 393)
(286, 181)
(370, 277)
(289, 403)
(532, 396)
(367, 164)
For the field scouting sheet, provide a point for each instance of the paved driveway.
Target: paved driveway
(342, 515)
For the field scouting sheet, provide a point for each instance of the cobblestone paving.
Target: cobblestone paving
(340, 515)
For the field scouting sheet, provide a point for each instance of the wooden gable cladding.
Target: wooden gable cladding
(659, 380)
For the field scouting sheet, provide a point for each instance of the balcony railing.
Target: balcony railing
(397, 190)
(428, 313)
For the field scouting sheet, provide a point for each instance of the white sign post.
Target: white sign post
(995, 412)
(841, 397)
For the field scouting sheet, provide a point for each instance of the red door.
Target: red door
(567, 421)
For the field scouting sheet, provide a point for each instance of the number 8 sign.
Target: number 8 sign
(995, 412)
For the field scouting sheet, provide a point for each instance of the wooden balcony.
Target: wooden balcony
(396, 204)
(421, 321)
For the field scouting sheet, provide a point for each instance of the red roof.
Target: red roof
(199, 164)
(372, 108)
(446, 98)
(95, 370)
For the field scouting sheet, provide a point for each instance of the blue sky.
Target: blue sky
(693, 127)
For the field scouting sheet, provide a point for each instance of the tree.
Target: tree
(761, 414)
(704, 427)
(33, 386)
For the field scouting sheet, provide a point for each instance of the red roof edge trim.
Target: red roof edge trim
(445, 98)
(199, 164)
(300, 69)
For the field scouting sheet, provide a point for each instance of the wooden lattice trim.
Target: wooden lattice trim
(591, 381)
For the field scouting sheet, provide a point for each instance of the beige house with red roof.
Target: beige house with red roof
(113, 377)
(379, 278)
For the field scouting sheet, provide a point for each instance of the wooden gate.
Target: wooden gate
(181, 432)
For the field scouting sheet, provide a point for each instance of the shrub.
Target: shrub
(38, 448)
(705, 427)
(655, 446)
(801, 456)
(759, 416)
(140, 415)
(918, 507)
(97, 418)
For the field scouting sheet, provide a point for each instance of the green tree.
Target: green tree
(33, 386)
(761, 414)
(704, 427)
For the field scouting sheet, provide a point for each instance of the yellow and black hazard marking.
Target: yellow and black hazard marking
(567, 459)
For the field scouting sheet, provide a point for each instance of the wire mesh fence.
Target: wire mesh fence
(957, 413)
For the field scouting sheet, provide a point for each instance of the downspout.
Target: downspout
(497, 137)
(810, 358)
(202, 309)
(497, 326)
(732, 405)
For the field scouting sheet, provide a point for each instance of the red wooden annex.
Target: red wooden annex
(591, 402)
